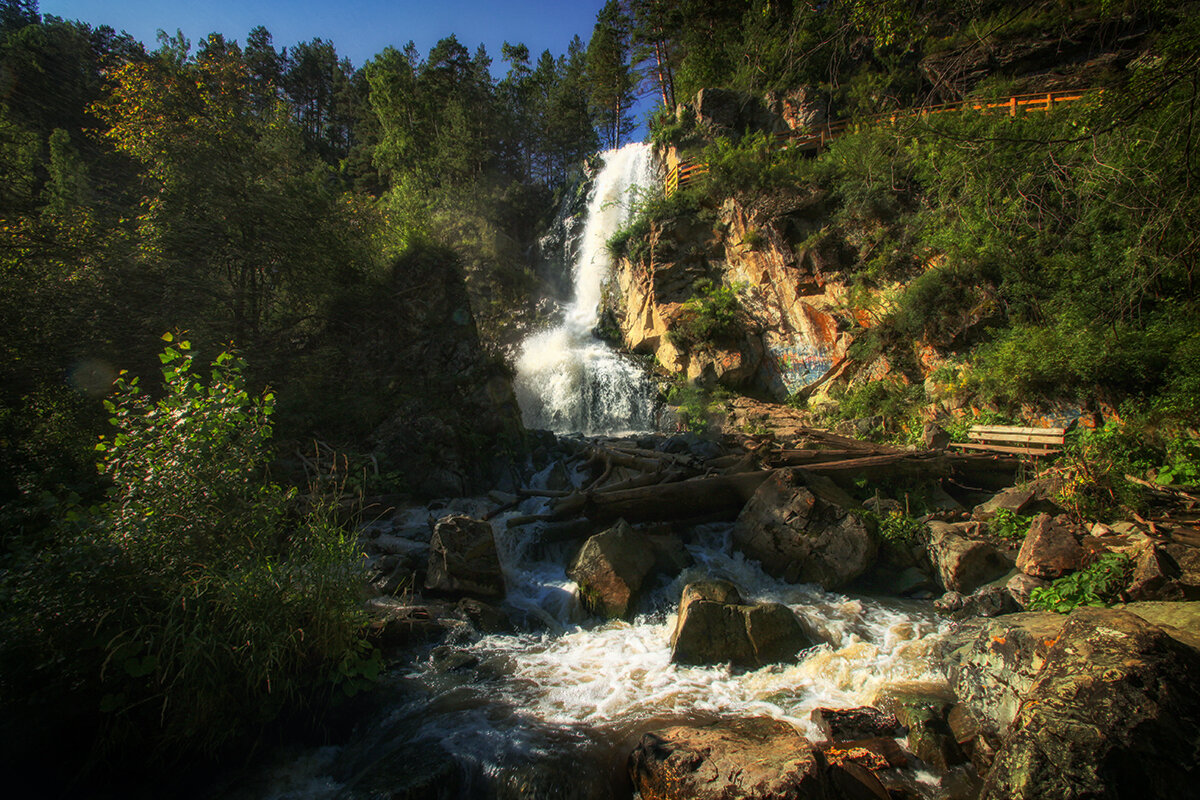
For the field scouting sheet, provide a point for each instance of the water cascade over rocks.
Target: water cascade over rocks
(567, 378)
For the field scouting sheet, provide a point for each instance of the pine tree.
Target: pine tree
(610, 76)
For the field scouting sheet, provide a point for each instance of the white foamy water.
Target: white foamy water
(532, 713)
(616, 674)
(567, 379)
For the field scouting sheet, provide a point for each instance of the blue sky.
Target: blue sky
(359, 28)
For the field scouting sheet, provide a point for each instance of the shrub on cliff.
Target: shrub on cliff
(194, 606)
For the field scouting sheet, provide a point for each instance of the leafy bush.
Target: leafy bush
(195, 605)
(899, 528)
(1098, 585)
(1008, 524)
(712, 315)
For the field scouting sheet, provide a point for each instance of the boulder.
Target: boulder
(804, 530)
(992, 663)
(849, 724)
(1169, 571)
(1051, 548)
(935, 437)
(715, 627)
(989, 601)
(1031, 499)
(963, 564)
(1180, 620)
(394, 623)
(611, 569)
(1020, 587)
(1114, 713)
(923, 709)
(756, 757)
(463, 560)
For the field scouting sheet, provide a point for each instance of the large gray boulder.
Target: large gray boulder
(757, 757)
(991, 663)
(963, 562)
(463, 561)
(806, 530)
(1114, 713)
(611, 569)
(714, 626)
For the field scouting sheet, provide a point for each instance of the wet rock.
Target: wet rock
(445, 658)
(463, 560)
(483, 617)
(715, 627)
(863, 722)
(923, 709)
(1051, 548)
(611, 569)
(989, 601)
(671, 555)
(1114, 713)
(971, 739)
(396, 624)
(875, 753)
(992, 663)
(413, 771)
(757, 757)
(963, 564)
(395, 581)
(1021, 586)
(804, 530)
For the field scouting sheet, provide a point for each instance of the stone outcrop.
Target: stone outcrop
(963, 561)
(923, 709)
(989, 601)
(1115, 712)
(1051, 548)
(463, 560)
(805, 530)
(714, 626)
(849, 724)
(757, 757)
(611, 569)
(992, 663)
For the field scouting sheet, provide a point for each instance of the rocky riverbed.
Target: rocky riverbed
(784, 645)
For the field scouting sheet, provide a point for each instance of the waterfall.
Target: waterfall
(568, 379)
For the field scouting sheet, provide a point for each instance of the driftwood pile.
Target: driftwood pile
(643, 485)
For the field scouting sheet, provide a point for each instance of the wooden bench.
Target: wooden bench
(1010, 439)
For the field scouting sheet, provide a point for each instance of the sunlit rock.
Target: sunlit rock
(756, 757)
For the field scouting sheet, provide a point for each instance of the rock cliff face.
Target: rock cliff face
(796, 311)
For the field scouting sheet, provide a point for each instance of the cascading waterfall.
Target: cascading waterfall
(567, 379)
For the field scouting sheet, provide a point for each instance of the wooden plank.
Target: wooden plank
(1016, 429)
(1002, 449)
(1032, 438)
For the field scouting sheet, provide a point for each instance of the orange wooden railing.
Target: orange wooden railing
(689, 169)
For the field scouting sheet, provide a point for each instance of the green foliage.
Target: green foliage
(1092, 469)
(694, 404)
(899, 528)
(897, 403)
(194, 606)
(1181, 462)
(1008, 524)
(1098, 585)
(712, 315)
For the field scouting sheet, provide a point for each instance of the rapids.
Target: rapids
(567, 378)
(554, 709)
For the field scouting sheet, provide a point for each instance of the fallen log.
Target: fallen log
(724, 495)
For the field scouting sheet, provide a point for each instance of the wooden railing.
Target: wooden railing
(815, 138)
